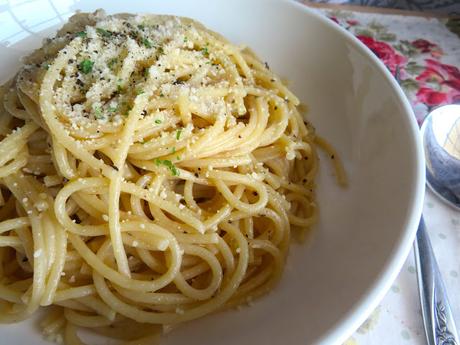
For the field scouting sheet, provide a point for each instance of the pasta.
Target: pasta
(151, 173)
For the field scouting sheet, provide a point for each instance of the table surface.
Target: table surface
(423, 55)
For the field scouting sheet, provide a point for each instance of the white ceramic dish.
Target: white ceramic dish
(365, 232)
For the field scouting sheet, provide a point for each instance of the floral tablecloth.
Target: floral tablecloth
(423, 55)
(451, 7)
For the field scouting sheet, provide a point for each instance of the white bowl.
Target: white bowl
(364, 233)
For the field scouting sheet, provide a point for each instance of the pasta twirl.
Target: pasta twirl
(151, 173)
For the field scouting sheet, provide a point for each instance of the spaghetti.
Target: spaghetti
(151, 173)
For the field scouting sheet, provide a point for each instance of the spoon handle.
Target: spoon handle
(437, 316)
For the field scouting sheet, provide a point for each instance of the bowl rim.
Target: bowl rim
(348, 323)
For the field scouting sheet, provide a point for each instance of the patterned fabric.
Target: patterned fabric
(427, 71)
(451, 7)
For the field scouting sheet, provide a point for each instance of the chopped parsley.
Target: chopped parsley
(157, 121)
(119, 86)
(168, 164)
(112, 62)
(98, 113)
(103, 32)
(146, 43)
(86, 66)
(185, 39)
(205, 51)
(160, 50)
(82, 34)
(162, 95)
(173, 150)
(128, 109)
(178, 133)
(139, 92)
(141, 26)
(112, 109)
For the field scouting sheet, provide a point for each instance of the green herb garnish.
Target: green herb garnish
(112, 62)
(168, 164)
(173, 150)
(146, 43)
(205, 51)
(139, 92)
(141, 26)
(113, 109)
(157, 121)
(178, 133)
(128, 109)
(86, 66)
(103, 32)
(82, 34)
(98, 113)
(119, 86)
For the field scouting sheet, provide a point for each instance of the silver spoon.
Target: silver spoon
(441, 140)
